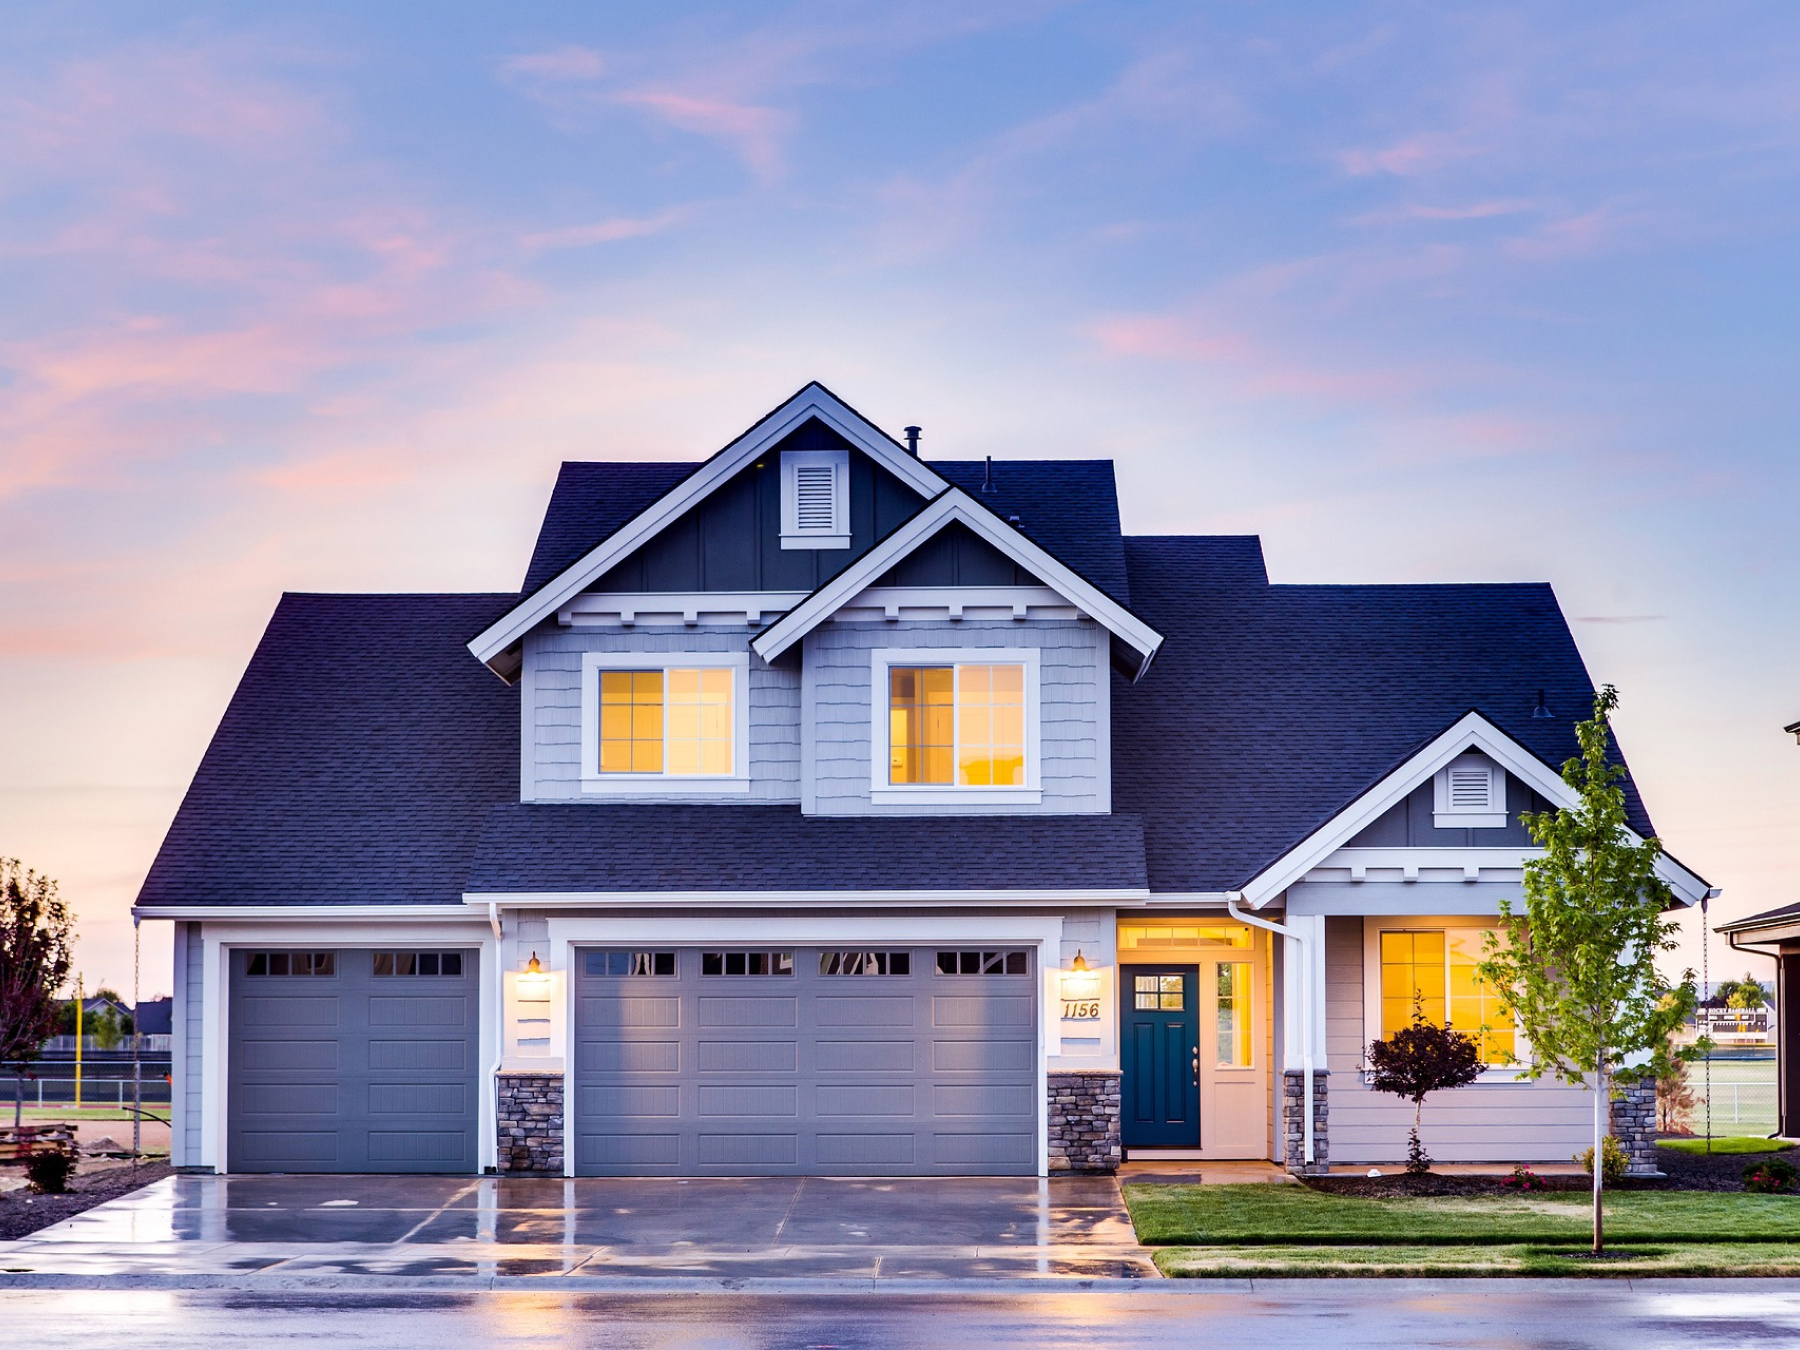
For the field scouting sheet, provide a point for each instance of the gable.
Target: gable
(1411, 823)
(731, 539)
(957, 556)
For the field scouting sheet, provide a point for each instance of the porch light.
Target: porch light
(1080, 961)
(534, 980)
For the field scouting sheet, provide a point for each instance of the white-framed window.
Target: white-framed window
(1469, 793)
(657, 722)
(1431, 962)
(954, 725)
(815, 499)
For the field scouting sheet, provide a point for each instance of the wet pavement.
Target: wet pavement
(248, 1232)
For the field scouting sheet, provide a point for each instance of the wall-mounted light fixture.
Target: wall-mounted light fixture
(1080, 991)
(1080, 961)
(534, 980)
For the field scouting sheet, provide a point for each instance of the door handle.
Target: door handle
(1196, 1066)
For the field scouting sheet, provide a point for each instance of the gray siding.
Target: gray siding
(1484, 1122)
(553, 681)
(1074, 690)
(188, 1045)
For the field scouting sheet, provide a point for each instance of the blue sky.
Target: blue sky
(316, 296)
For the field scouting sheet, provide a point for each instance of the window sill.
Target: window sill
(656, 784)
(1452, 820)
(816, 541)
(955, 796)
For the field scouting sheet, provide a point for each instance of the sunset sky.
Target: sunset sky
(316, 296)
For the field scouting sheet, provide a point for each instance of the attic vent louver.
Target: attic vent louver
(815, 499)
(1471, 789)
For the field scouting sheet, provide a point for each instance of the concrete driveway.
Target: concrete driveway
(260, 1231)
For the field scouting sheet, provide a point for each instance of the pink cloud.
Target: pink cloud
(564, 63)
(754, 131)
(1566, 238)
(1408, 158)
(608, 231)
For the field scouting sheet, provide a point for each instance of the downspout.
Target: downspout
(1305, 1014)
(499, 1022)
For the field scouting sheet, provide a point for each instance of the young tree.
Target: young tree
(1578, 967)
(36, 931)
(1421, 1059)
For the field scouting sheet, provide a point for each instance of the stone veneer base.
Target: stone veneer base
(1293, 1123)
(530, 1121)
(1634, 1126)
(1083, 1120)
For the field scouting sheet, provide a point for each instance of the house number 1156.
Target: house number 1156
(1085, 1010)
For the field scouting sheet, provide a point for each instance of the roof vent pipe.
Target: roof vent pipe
(987, 483)
(1542, 709)
(912, 441)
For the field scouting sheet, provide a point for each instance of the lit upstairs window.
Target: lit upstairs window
(960, 725)
(677, 722)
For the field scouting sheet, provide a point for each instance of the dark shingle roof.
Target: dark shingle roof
(355, 763)
(590, 502)
(1068, 507)
(1767, 918)
(590, 847)
(1271, 708)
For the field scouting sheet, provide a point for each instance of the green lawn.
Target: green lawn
(1282, 1215)
(1735, 1143)
(1498, 1259)
(38, 1115)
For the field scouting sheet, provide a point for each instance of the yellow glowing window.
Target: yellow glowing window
(673, 721)
(1233, 1014)
(1438, 969)
(960, 725)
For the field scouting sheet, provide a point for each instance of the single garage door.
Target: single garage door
(805, 1061)
(353, 1060)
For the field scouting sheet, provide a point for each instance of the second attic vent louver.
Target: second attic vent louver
(815, 498)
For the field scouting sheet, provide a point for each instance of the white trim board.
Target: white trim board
(494, 645)
(956, 506)
(836, 900)
(1472, 730)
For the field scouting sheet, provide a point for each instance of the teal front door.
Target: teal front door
(1160, 1056)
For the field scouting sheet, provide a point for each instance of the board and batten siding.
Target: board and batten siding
(553, 711)
(1502, 1121)
(188, 1046)
(1074, 710)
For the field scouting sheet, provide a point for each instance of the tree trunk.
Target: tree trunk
(1599, 1158)
(18, 1099)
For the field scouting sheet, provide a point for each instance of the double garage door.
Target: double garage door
(686, 1062)
(809, 1061)
(352, 1060)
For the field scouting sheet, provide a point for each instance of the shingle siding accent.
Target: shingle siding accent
(553, 657)
(1072, 691)
(1544, 1121)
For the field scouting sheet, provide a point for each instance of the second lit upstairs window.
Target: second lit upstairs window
(961, 725)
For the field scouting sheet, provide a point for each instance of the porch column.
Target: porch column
(1303, 1045)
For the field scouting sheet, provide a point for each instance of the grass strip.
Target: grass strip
(1735, 1143)
(1512, 1259)
(1274, 1215)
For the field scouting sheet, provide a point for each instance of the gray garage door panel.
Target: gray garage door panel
(350, 1071)
(808, 1073)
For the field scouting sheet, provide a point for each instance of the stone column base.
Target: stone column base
(1083, 1120)
(1293, 1124)
(1634, 1126)
(530, 1123)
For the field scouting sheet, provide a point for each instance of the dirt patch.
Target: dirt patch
(1396, 1184)
(22, 1212)
(1707, 1171)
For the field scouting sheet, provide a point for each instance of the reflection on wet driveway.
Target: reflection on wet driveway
(462, 1228)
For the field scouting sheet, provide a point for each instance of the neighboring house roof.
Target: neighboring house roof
(355, 764)
(1272, 708)
(1784, 916)
(156, 1016)
(588, 848)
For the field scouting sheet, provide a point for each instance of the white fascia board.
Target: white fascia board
(956, 505)
(837, 900)
(1471, 731)
(813, 401)
(300, 913)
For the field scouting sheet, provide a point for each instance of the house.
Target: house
(823, 808)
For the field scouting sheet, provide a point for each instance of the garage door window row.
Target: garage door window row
(292, 963)
(618, 963)
(430, 964)
(983, 963)
(746, 963)
(865, 963)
